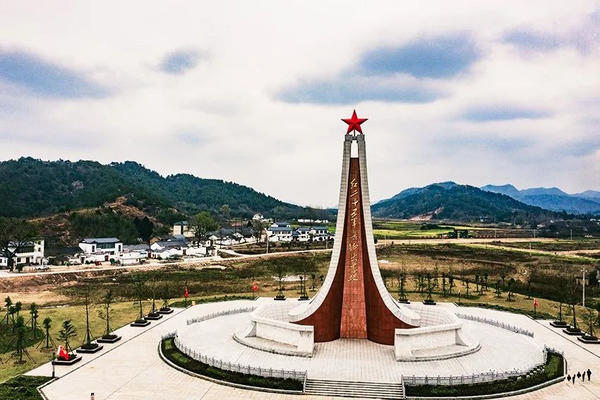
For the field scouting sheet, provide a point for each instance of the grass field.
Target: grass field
(123, 313)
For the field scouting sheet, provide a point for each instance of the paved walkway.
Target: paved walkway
(363, 360)
(132, 369)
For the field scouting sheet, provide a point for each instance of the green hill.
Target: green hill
(31, 188)
(449, 201)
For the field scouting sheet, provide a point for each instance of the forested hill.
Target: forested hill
(450, 201)
(30, 187)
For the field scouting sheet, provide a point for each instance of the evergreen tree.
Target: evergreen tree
(67, 332)
(145, 228)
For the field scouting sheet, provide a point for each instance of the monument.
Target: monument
(353, 301)
(353, 338)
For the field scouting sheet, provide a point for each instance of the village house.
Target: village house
(174, 246)
(100, 249)
(32, 253)
(134, 254)
(280, 232)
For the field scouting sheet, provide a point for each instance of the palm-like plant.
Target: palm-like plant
(18, 308)
(8, 304)
(47, 323)
(33, 310)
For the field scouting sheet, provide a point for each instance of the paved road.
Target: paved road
(212, 260)
(132, 369)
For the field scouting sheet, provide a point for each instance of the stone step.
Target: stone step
(373, 390)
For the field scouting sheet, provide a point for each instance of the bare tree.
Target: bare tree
(15, 235)
(572, 296)
(105, 311)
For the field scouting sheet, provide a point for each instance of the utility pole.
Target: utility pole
(267, 239)
(583, 285)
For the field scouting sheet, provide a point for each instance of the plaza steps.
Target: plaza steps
(369, 390)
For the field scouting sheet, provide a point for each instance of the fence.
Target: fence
(243, 369)
(499, 324)
(475, 378)
(220, 313)
(229, 366)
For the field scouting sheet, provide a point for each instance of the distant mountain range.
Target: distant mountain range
(553, 198)
(450, 201)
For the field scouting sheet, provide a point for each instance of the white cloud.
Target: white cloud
(222, 118)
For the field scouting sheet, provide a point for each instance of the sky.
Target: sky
(486, 92)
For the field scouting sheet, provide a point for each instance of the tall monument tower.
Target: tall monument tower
(353, 301)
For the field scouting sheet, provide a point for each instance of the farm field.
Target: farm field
(385, 229)
(562, 245)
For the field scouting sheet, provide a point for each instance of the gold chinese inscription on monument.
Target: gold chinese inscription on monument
(353, 244)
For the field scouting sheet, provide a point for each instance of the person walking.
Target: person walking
(573, 379)
(589, 374)
(569, 378)
(578, 375)
(583, 377)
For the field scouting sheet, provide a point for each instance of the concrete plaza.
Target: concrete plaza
(132, 369)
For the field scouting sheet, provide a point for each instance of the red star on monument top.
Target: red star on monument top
(354, 123)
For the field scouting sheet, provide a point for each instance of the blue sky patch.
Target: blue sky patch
(45, 78)
(441, 57)
(503, 113)
(178, 62)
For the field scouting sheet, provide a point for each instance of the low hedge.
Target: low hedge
(213, 299)
(537, 315)
(554, 368)
(22, 387)
(172, 353)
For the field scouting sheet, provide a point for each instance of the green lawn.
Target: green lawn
(22, 388)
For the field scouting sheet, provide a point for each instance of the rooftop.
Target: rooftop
(100, 240)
